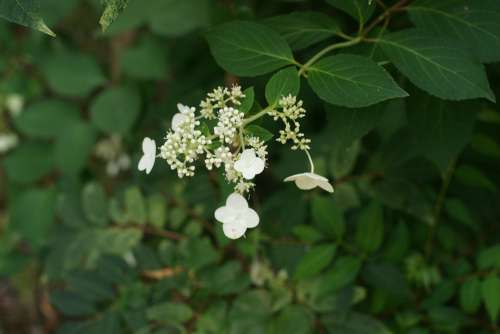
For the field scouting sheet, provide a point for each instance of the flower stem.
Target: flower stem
(330, 48)
(310, 160)
(257, 115)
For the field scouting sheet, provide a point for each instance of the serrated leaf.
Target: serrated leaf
(248, 49)
(470, 295)
(473, 23)
(283, 83)
(24, 12)
(440, 129)
(112, 9)
(303, 29)
(359, 10)
(352, 81)
(115, 110)
(438, 66)
(315, 261)
(490, 290)
(259, 132)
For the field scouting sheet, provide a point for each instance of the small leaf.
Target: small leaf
(248, 49)
(111, 11)
(115, 110)
(25, 12)
(283, 83)
(352, 81)
(29, 162)
(470, 295)
(303, 29)
(314, 261)
(73, 147)
(370, 228)
(328, 217)
(438, 66)
(489, 258)
(248, 101)
(345, 270)
(295, 319)
(175, 313)
(360, 10)
(259, 132)
(95, 203)
(490, 290)
(157, 210)
(135, 205)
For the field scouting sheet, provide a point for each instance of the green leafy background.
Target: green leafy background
(401, 111)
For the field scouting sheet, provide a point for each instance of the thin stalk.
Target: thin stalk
(310, 160)
(257, 115)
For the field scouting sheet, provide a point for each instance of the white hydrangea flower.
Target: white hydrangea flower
(308, 181)
(236, 216)
(149, 155)
(14, 104)
(181, 116)
(230, 120)
(249, 164)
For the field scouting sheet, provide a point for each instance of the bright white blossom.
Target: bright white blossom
(249, 165)
(181, 116)
(149, 155)
(308, 181)
(230, 120)
(236, 216)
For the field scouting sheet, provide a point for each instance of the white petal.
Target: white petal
(177, 120)
(325, 185)
(258, 165)
(146, 163)
(248, 173)
(223, 214)
(148, 146)
(236, 201)
(239, 166)
(182, 108)
(248, 154)
(251, 218)
(305, 183)
(234, 230)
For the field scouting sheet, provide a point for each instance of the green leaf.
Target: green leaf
(29, 162)
(72, 74)
(343, 161)
(115, 110)
(489, 258)
(71, 304)
(46, 118)
(370, 228)
(328, 217)
(345, 270)
(248, 101)
(352, 81)
(473, 177)
(490, 290)
(147, 60)
(440, 129)
(359, 10)
(175, 313)
(32, 215)
(317, 259)
(303, 29)
(157, 210)
(248, 49)
(470, 295)
(472, 23)
(353, 323)
(26, 13)
(73, 147)
(112, 9)
(295, 319)
(95, 203)
(259, 132)
(283, 83)
(347, 125)
(175, 18)
(135, 205)
(436, 65)
(388, 278)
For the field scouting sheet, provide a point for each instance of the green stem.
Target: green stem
(310, 160)
(257, 115)
(328, 49)
(439, 206)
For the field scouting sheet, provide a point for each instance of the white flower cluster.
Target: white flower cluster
(289, 111)
(228, 145)
(112, 152)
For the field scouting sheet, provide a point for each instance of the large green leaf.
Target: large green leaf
(29, 162)
(248, 48)
(328, 217)
(474, 24)
(111, 11)
(303, 29)
(360, 10)
(115, 110)
(470, 295)
(438, 66)
(25, 12)
(440, 129)
(352, 81)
